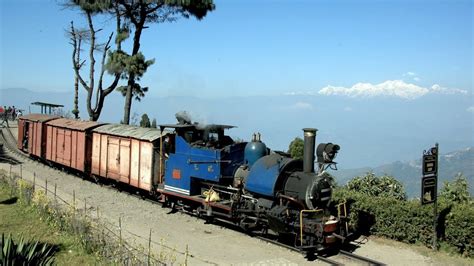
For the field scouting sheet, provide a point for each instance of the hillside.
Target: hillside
(409, 173)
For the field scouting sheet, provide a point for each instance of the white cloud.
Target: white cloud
(412, 75)
(470, 109)
(395, 88)
(442, 90)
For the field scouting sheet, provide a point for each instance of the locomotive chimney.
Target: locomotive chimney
(308, 150)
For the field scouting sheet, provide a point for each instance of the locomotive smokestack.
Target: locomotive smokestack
(308, 150)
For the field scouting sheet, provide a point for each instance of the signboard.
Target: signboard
(429, 185)
(429, 180)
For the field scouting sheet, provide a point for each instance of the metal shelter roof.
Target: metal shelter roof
(141, 133)
(74, 124)
(44, 105)
(38, 117)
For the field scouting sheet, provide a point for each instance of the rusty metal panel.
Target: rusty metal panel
(21, 133)
(73, 124)
(124, 161)
(141, 133)
(74, 153)
(38, 117)
(113, 157)
(80, 148)
(38, 127)
(67, 148)
(95, 154)
(146, 161)
(135, 163)
(31, 134)
(103, 156)
(60, 145)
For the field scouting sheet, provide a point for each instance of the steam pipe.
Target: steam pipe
(308, 150)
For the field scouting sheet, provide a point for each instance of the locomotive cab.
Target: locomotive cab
(200, 156)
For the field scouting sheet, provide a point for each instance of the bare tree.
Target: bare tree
(94, 108)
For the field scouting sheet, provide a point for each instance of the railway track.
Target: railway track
(332, 259)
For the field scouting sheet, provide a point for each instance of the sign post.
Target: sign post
(429, 185)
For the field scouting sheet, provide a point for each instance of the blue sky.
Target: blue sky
(385, 79)
(260, 47)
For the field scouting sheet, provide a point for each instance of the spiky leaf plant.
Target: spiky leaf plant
(23, 252)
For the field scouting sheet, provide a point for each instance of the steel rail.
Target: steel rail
(360, 258)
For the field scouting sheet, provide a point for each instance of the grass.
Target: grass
(22, 220)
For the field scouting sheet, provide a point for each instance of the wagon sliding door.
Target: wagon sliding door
(140, 172)
(124, 162)
(118, 159)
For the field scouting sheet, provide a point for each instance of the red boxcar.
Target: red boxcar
(32, 133)
(69, 143)
(127, 154)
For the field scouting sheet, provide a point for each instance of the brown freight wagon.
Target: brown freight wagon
(32, 133)
(69, 143)
(128, 154)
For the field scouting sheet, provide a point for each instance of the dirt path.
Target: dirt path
(207, 243)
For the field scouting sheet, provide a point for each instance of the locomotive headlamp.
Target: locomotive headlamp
(326, 152)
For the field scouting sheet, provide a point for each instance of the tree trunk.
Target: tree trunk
(131, 77)
(76, 98)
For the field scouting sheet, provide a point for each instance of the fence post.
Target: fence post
(55, 199)
(120, 231)
(186, 255)
(149, 248)
(46, 188)
(21, 171)
(34, 181)
(85, 207)
(120, 238)
(74, 201)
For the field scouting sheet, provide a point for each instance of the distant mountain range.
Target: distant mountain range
(409, 173)
(371, 132)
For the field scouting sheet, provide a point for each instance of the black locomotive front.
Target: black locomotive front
(290, 199)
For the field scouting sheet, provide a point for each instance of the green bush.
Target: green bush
(409, 221)
(460, 228)
(383, 186)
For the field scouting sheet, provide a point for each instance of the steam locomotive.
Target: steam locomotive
(200, 169)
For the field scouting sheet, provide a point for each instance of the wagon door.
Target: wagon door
(31, 137)
(60, 145)
(124, 162)
(113, 158)
(67, 147)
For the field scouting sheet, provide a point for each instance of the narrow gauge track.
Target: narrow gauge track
(343, 253)
(8, 141)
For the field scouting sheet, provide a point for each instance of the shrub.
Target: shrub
(25, 253)
(408, 221)
(460, 228)
(383, 186)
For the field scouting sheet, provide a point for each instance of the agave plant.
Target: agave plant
(23, 252)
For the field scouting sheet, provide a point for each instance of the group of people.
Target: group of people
(9, 113)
